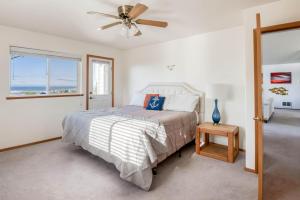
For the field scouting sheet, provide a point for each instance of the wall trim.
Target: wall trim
(29, 144)
(43, 96)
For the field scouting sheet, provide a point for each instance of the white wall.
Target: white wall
(293, 88)
(30, 120)
(274, 13)
(216, 57)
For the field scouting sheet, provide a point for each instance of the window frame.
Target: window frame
(48, 55)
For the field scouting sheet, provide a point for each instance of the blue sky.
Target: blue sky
(31, 70)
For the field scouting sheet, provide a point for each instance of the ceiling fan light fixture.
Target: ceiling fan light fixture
(124, 30)
(128, 31)
(132, 31)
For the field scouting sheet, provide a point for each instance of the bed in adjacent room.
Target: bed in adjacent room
(134, 138)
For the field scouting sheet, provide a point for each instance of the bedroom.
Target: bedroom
(217, 51)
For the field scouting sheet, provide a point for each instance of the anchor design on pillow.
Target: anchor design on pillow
(154, 102)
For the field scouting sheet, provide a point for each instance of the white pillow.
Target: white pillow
(186, 103)
(137, 99)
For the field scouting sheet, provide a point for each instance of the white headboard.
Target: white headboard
(176, 88)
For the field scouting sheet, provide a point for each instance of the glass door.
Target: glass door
(100, 85)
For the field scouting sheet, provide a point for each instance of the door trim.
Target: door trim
(281, 27)
(258, 103)
(88, 56)
(259, 156)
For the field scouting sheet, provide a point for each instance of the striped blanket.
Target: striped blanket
(132, 144)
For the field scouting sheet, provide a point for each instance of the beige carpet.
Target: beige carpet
(282, 156)
(56, 171)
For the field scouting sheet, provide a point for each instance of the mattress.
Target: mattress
(134, 139)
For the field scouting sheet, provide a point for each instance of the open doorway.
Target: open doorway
(262, 163)
(281, 111)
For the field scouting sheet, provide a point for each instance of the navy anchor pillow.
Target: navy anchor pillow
(156, 103)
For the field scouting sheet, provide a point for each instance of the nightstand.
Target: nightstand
(217, 151)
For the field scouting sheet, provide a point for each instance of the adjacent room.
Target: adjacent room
(150, 99)
(281, 107)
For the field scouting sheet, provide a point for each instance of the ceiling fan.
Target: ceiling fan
(127, 17)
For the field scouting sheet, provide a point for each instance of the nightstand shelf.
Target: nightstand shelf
(217, 151)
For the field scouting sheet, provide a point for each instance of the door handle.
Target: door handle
(258, 119)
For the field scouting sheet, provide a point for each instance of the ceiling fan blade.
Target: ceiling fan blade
(103, 14)
(137, 10)
(110, 25)
(152, 23)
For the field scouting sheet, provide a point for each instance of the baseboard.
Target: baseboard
(250, 170)
(29, 144)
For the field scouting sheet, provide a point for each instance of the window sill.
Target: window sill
(43, 96)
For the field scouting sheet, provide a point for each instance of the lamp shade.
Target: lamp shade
(217, 91)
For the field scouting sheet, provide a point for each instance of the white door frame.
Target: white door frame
(88, 58)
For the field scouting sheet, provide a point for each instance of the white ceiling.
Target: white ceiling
(281, 47)
(68, 18)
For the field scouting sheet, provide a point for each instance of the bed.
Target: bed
(268, 108)
(135, 140)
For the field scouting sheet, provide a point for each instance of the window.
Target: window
(40, 73)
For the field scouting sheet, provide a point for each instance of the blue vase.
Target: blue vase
(216, 117)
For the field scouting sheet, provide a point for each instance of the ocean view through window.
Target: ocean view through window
(43, 74)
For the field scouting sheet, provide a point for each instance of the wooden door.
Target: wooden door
(258, 78)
